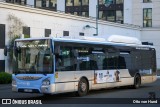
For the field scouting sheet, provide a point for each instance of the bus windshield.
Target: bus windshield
(33, 56)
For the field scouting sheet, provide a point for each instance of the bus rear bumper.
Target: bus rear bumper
(48, 89)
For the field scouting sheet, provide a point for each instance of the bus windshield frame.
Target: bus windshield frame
(33, 57)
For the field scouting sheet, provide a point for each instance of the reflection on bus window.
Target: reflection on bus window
(35, 57)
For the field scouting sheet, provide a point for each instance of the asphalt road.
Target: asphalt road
(104, 96)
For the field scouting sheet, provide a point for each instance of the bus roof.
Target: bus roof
(86, 41)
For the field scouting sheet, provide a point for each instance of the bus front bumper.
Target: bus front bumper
(48, 89)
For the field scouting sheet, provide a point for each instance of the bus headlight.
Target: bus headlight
(46, 82)
(14, 82)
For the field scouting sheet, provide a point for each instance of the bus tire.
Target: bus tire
(82, 87)
(137, 81)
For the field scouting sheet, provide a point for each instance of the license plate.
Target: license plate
(27, 90)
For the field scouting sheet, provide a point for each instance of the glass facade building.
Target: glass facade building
(112, 12)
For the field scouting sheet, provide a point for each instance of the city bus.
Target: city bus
(58, 65)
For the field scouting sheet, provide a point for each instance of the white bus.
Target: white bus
(58, 65)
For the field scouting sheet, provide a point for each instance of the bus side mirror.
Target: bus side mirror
(16, 51)
(5, 50)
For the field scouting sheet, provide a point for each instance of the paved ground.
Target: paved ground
(122, 92)
(94, 97)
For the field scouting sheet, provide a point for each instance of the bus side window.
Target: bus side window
(65, 59)
(83, 58)
(93, 65)
(112, 60)
(105, 63)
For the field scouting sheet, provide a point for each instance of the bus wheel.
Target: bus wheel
(82, 87)
(137, 81)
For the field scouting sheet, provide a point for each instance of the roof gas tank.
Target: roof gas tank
(124, 39)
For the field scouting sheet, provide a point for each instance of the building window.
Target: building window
(101, 2)
(22, 2)
(69, 2)
(65, 33)
(46, 4)
(2, 36)
(38, 3)
(102, 15)
(53, 4)
(78, 7)
(119, 1)
(2, 67)
(111, 10)
(85, 14)
(106, 2)
(26, 32)
(147, 17)
(81, 34)
(119, 16)
(85, 2)
(47, 32)
(17, 1)
(10, 1)
(77, 2)
(146, 1)
(76, 13)
(111, 15)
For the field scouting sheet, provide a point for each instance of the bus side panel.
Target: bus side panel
(64, 81)
(88, 74)
(148, 79)
(144, 63)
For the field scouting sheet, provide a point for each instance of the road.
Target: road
(113, 96)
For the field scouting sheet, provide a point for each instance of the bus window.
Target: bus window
(112, 60)
(124, 60)
(83, 58)
(121, 62)
(146, 58)
(47, 63)
(98, 58)
(65, 60)
(33, 56)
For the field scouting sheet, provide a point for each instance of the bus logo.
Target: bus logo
(6, 101)
(28, 77)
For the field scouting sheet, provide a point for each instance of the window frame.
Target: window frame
(147, 20)
(147, 1)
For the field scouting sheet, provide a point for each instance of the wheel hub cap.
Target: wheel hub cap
(83, 86)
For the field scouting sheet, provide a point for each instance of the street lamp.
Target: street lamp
(107, 4)
(97, 18)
